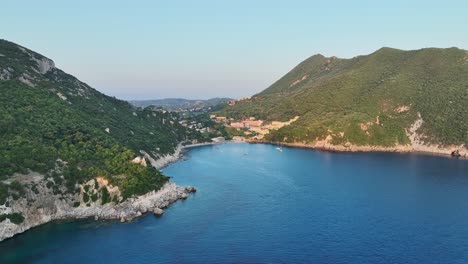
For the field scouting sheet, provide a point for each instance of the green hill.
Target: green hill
(368, 100)
(58, 126)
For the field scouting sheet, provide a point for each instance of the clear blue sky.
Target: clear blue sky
(207, 48)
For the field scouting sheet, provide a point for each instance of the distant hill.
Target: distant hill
(174, 104)
(390, 98)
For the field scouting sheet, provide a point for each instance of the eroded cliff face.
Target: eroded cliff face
(40, 205)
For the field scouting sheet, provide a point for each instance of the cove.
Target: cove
(255, 204)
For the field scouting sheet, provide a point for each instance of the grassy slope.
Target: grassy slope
(340, 94)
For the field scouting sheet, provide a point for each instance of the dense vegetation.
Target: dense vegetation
(52, 123)
(360, 97)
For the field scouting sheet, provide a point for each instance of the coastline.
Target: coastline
(166, 160)
(424, 150)
(204, 144)
(50, 208)
(47, 206)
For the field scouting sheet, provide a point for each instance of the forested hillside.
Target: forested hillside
(54, 124)
(369, 100)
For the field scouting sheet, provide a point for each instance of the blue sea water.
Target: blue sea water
(257, 205)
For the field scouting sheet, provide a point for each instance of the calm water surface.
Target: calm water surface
(257, 205)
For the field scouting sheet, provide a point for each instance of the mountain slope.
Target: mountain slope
(370, 100)
(57, 126)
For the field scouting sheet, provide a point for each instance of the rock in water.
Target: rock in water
(190, 189)
(158, 211)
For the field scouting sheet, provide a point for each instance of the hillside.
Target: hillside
(57, 133)
(390, 98)
(174, 104)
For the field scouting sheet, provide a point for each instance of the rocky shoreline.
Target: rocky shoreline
(164, 161)
(43, 206)
(49, 208)
(461, 151)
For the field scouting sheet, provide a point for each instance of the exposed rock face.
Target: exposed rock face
(44, 64)
(6, 74)
(42, 207)
(140, 160)
(61, 96)
(163, 160)
(27, 79)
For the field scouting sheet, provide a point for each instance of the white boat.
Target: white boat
(279, 149)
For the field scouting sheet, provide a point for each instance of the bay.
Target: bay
(255, 204)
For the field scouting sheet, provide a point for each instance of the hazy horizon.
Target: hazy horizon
(206, 49)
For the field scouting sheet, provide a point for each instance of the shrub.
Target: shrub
(94, 197)
(85, 198)
(15, 218)
(105, 197)
(3, 193)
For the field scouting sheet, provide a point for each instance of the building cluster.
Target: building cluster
(259, 128)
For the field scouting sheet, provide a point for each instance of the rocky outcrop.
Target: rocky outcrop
(44, 64)
(140, 160)
(42, 207)
(27, 79)
(165, 160)
(158, 211)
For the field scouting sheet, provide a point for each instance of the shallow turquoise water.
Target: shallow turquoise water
(258, 205)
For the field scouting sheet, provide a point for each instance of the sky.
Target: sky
(218, 48)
